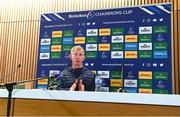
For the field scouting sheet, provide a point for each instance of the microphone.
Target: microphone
(51, 87)
(11, 72)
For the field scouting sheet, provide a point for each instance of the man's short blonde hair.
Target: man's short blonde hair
(79, 48)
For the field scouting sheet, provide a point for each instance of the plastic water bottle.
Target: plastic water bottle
(98, 83)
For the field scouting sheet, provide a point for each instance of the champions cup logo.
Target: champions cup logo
(104, 55)
(91, 14)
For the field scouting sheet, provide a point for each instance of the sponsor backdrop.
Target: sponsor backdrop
(128, 48)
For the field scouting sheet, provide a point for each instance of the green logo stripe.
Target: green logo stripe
(161, 75)
(117, 46)
(67, 48)
(160, 46)
(160, 29)
(91, 55)
(160, 91)
(91, 39)
(117, 31)
(147, 84)
(56, 41)
(55, 55)
(68, 33)
(145, 54)
(116, 74)
(145, 38)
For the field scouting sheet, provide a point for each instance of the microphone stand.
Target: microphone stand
(10, 86)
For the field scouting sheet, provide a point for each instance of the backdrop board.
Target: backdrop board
(127, 47)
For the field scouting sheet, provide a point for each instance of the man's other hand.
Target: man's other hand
(74, 85)
(81, 85)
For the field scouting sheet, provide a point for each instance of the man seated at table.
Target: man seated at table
(77, 77)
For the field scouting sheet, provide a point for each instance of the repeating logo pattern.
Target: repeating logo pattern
(132, 56)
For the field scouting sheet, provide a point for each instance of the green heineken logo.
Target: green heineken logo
(161, 75)
(91, 55)
(114, 89)
(56, 40)
(160, 46)
(91, 39)
(160, 91)
(117, 46)
(67, 48)
(147, 84)
(145, 54)
(116, 74)
(68, 33)
(117, 31)
(55, 55)
(145, 38)
(160, 29)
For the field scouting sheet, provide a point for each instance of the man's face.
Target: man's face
(77, 57)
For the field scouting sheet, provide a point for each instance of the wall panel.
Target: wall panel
(19, 30)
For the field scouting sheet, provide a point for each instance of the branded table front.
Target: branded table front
(39, 102)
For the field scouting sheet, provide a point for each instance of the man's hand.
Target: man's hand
(74, 85)
(81, 85)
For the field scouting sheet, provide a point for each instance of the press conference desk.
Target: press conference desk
(39, 102)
